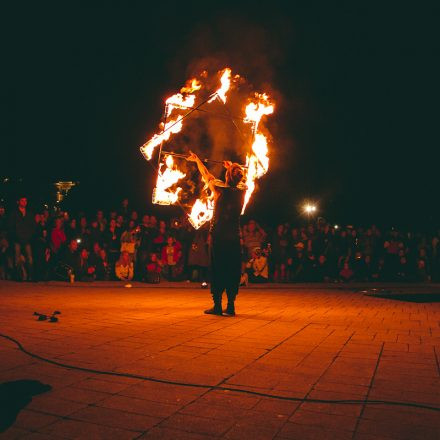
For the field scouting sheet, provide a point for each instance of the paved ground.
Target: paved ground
(308, 342)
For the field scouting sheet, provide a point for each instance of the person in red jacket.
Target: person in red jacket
(57, 235)
(171, 259)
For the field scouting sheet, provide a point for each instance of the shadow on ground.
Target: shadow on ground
(410, 297)
(14, 396)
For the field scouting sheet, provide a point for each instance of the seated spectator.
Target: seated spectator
(172, 259)
(124, 267)
(153, 269)
(57, 235)
(257, 268)
(69, 262)
(296, 266)
(310, 272)
(323, 271)
(422, 274)
(86, 270)
(103, 267)
(346, 273)
(129, 240)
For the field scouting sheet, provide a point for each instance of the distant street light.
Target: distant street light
(310, 209)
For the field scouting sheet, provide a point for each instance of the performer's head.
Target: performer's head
(234, 174)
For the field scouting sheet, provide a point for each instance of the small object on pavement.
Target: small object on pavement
(41, 317)
(128, 285)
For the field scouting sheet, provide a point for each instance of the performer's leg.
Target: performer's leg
(217, 281)
(233, 281)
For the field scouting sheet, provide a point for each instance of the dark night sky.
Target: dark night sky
(357, 117)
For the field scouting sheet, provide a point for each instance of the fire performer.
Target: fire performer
(225, 233)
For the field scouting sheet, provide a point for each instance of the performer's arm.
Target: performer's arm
(206, 175)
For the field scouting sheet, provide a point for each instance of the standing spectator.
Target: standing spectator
(124, 208)
(124, 267)
(71, 230)
(43, 258)
(160, 240)
(22, 230)
(95, 233)
(112, 241)
(198, 258)
(145, 246)
(95, 255)
(102, 221)
(84, 232)
(120, 222)
(253, 237)
(279, 245)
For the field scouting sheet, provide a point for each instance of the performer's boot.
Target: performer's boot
(217, 309)
(230, 308)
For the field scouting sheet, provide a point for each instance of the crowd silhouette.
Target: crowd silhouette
(123, 245)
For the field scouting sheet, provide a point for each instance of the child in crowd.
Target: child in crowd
(124, 267)
(153, 269)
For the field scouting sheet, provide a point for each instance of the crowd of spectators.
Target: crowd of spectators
(124, 245)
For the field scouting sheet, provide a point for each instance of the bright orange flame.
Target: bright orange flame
(201, 212)
(162, 195)
(191, 86)
(173, 125)
(179, 101)
(168, 129)
(257, 161)
(225, 84)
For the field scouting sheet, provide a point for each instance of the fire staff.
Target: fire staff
(225, 233)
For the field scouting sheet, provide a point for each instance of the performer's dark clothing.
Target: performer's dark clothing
(225, 243)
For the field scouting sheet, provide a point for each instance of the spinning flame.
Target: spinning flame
(201, 212)
(257, 161)
(162, 194)
(225, 82)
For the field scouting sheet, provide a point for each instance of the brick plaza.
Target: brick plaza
(306, 342)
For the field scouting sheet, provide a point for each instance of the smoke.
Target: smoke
(253, 52)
